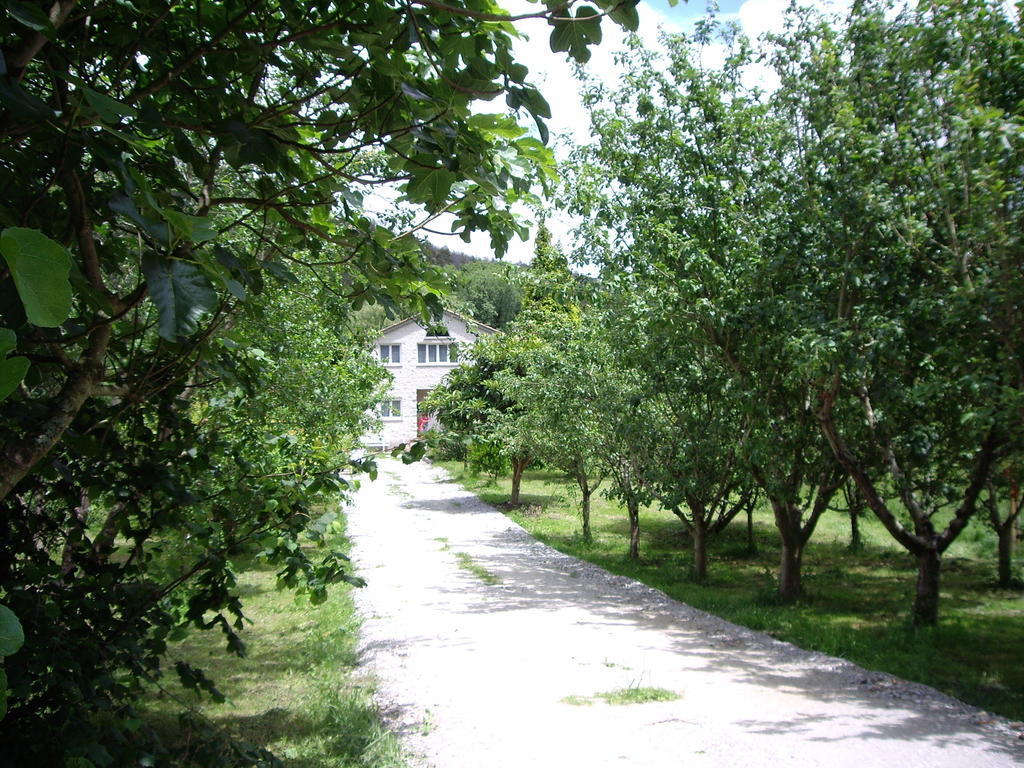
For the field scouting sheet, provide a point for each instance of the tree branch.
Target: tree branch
(20, 456)
(18, 60)
(913, 543)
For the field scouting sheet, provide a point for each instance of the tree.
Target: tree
(628, 417)
(488, 292)
(1003, 492)
(205, 469)
(918, 187)
(174, 161)
(699, 220)
(561, 397)
(470, 402)
(697, 468)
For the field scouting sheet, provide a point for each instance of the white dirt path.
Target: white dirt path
(475, 676)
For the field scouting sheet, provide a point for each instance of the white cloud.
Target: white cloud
(758, 17)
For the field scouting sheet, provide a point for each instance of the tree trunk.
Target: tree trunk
(587, 491)
(790, 583)
(927, 549)
(925, 612)
(700, 546)
(856, 545)
(518, 466)
(1009, 531)
(634, 529)
(854, 508)
(20, 456)
(1007, 544)
(787, 520)
(751, 544)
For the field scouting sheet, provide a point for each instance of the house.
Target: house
(419, 356)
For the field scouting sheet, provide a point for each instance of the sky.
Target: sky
(552, 73)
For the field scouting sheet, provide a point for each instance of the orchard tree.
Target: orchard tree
(697, 468)
(630, 416)
(1002, 507)
(916, 179)
(172, 162)
(693, 220)
(561, 396)
(471, 403)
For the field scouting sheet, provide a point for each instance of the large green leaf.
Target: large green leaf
(22, 103)
(196, 229)
(577, 35)
(181, 292)
(624, 14)
(110, 110)
(40, 270)
(12, 371)
(32, 17)
(8, 341)
(12, 636)
(498, 125)
(431, 186)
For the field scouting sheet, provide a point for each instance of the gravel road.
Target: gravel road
(478, 675)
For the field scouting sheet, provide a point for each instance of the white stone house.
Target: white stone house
(418, 356)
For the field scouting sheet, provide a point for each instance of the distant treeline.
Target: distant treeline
(488, 291)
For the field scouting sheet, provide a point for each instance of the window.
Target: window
(390, 353)
(391, 409)
(437, 353)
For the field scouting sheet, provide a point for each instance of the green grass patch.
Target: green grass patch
(298, 692)
(637, 695)
(856, 604)
(622, 696)
(467, 563)
(577, 701)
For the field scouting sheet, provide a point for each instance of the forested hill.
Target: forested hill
(488, 291)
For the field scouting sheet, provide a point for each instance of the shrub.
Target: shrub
(486, 457)
(445, 446)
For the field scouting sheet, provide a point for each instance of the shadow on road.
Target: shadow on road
(538, 578)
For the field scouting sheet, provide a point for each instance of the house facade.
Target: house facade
(418, 356)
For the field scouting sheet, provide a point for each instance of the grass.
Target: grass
(856, 604)
(623, 696)
(467, 563)
(297, 693)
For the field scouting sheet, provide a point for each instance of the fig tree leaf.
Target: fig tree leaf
(575, 36)
(498, 125)
(22, 103)
(8, 341)
(181, 292)
(110, 110)
(40, 269)
(431, 186)
(625, 15)
(12, 371)
(32, 17)
(12, 636)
